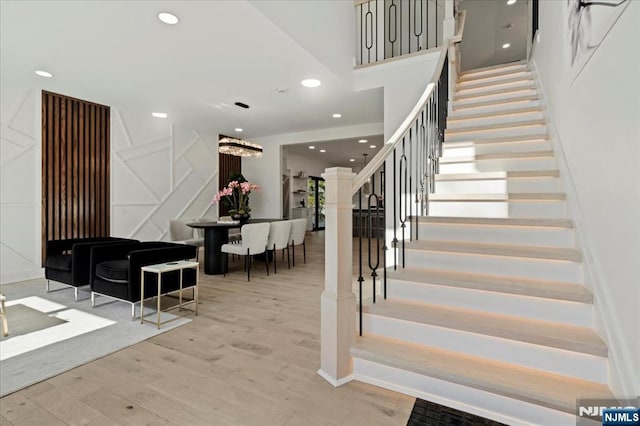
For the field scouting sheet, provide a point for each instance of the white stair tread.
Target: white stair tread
(510, 196)
(545, 389)
(482, 103)
(497, 126)
(516, 78)
(493, 71)
(547, 289)
(498, 175)
(495, 156)
(508, 139)
(543, 333)
(491, 221)
(505, 250)
(493, 92)
(461, 116)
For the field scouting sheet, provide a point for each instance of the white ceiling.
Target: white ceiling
(338, 152)
(485, 32)
(119, 54)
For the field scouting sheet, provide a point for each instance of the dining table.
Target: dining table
(216, 233)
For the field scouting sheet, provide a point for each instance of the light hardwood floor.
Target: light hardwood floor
(249, 358)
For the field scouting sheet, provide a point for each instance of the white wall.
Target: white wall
(596, 119)
(20, 170)
(158, 172)
(266, 171)
(403, 82)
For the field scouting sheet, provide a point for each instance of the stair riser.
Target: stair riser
(497, 265)
(537, 308)
(485, 404)
(467, 83)
(490, 98)
(497, 119)
(500, 165)
(496, 109)
(498, 72)
(530, 236)
(490, 87)
(500, 209)
(560, 361)
(529, 130)
(471, 148)
(499, 186)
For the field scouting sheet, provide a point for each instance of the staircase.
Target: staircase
(490, 315)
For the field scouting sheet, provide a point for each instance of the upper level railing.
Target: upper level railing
(391, 28)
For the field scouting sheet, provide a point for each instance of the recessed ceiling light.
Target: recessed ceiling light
(510, 2)
(372, 146)
(323, 150)
(363, 141)
(238, 129)
(44, 74)
(311, 82)
(337, 115)
(159, 114)
(506, 45)
(352, 159)
(312, 147)
(168, 18)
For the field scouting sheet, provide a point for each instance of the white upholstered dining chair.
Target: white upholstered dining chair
(279, 240)
(254, 241)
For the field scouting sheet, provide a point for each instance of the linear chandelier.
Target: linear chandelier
(238, 147)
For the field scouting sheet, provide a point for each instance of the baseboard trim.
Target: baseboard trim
(622, 384)
(25, 275)
(334, 382)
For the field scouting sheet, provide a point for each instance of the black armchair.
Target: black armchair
(115, 270)
(67, 260)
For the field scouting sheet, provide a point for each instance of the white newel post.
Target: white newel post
(338, 302)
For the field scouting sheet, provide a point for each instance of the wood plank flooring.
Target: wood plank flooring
(249, 358)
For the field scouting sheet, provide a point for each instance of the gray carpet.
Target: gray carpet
(20, 371)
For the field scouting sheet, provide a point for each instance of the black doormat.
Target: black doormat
(427, 413)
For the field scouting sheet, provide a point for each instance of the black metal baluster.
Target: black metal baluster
(373, 197)
(360, 278)
(415, 25)
(403, 196)
(361, 35)
(369, 28)
(394, 242)
(436, 2)
(383, 183)
(410, 170)
(393, 8)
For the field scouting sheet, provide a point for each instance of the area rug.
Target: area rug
(427, 413)
(50, 333)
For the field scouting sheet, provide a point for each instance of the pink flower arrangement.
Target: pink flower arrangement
(236, 194)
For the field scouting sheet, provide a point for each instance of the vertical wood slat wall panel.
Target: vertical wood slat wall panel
(75, 168)
(227, 164)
